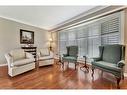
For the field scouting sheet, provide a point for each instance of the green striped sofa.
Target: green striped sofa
(111, 59)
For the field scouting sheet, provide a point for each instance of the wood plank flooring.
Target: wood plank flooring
(52, 77)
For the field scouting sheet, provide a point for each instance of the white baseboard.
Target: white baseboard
(125, 74)
(3, 65)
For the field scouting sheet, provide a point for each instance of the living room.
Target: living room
(63, 47)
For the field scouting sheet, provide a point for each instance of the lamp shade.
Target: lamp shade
(50, 40)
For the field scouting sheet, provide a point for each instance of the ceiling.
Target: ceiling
(46, 17)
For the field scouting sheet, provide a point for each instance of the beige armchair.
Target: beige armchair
(19, 62)
(45, 57)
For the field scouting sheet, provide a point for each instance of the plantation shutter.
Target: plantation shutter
(71, 38)
(82, 41)
(88, 37)
(110, 31)
(62, 42)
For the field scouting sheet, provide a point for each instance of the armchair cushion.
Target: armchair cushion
(22, 62)
(96, 59)
(107, 66)
(70, 59)
(44, 52)
(17, 54)
(121, 63)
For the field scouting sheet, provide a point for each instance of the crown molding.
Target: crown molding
(67, 24)
(81, 15)
(22, 22)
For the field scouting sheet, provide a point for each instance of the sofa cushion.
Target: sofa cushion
(22, 62)
(107, 65)
(112, 53)
(44, 52)
(17, 54)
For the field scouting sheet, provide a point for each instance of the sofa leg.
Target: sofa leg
(118, 81)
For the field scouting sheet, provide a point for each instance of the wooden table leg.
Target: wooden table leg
(85, 66)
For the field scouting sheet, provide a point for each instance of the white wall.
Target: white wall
(10, 36)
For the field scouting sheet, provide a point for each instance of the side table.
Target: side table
(33, 51)
(85, 68)
(57, 59)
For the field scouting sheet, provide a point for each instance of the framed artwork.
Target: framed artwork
(26, 37)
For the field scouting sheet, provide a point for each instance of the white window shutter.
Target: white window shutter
(89, 37)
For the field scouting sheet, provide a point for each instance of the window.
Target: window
(89, 37)
(110, 31)
(82, 39)
(71, 38)
(62, 42)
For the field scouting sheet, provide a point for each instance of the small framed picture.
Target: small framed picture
(26, 37)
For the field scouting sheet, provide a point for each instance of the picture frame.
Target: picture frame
(26, 37)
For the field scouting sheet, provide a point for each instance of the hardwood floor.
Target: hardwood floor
(52, 77)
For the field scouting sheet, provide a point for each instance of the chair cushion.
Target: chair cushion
(107, 65)
(22, 62)
(44, 52)
(112, 53)
(69, 59)
(17, 54)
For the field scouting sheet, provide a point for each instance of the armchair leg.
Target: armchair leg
(101, 73)
(123, 76)
(62, 65)
(68, 64)
(75, 66)
(118, 81)
(92, 72)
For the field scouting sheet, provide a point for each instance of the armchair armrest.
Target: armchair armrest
(29, 55)
(121, 63)
(9, 59)
(95, 59)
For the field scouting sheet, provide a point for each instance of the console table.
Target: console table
(57, 59)
(32, 50)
